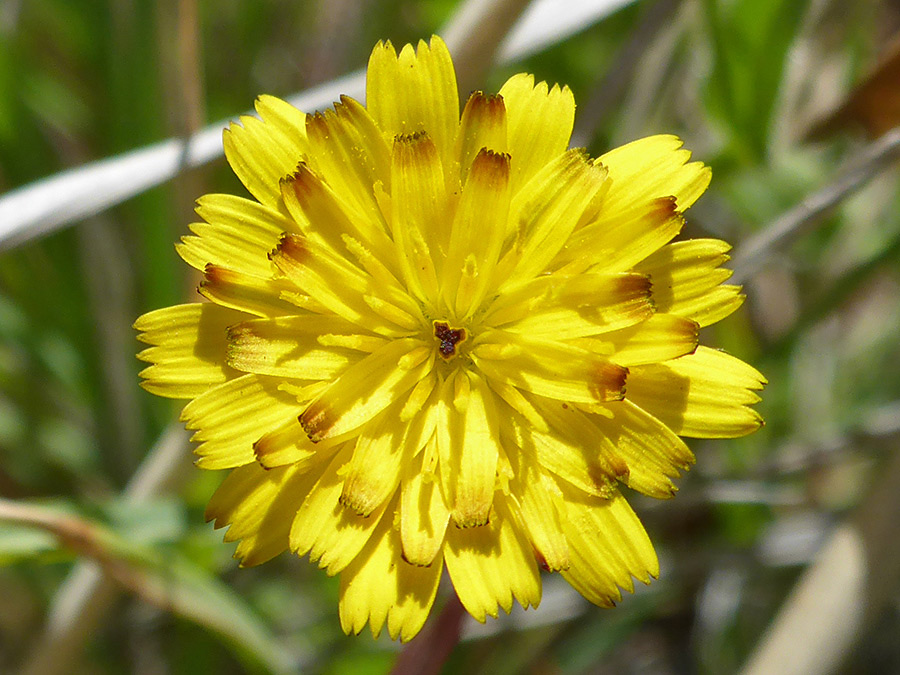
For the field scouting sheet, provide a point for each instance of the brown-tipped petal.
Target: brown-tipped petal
(350, 152)
(482, 127)
(284, 445)
(660, 338)
(478, 230)
(419, 214)
(686, 277)
(653, 167)
(563, 448)
(246, 293)
(618, 240)
(541, 508)
(332, 534)
(364, 390)
(551, 369)
(331, 218)
(384, 446)
(544, 213)
(335, 284)
(238, 234)
(653, 453)
(560, 307)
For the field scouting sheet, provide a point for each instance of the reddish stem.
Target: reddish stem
(427, 653)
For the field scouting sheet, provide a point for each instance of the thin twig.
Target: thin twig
(758, 251)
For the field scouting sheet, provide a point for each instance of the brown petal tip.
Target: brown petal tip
(316, 422)
(291, 246)
(607, 381)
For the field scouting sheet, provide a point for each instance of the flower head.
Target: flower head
(436, 340)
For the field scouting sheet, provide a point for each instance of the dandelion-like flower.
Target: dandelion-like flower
(437, 340)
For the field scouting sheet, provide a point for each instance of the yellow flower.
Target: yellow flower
(440, 340)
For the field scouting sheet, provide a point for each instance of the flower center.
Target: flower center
(448, 338)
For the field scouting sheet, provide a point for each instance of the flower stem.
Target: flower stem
(426, 654)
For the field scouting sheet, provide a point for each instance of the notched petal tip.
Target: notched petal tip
(300, 184)
(355, 499)
(607, 475)
(216, 275)
(485, 108)
(316, 422)
(413, 140)
(607, 381)
(491, 168)
(291, 246)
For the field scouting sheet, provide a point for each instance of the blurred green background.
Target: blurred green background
(778, 96)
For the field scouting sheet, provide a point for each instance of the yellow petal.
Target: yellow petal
(686, 277)
(544, 213)
(423, 515)
(540, 505)
(477, 232)
(364, 390)
(383, 448)
(653, 167)
(482, 127)
(378, 587)
(288, 443)
(704, 395)
(285, 444)
(554, 370)
(607, 546)
(246, 293)
(559, 307)
(259, 505)
(653, 453)
(468, 447)
(238, 234)
(492, 564)
(349, 151)
(540, 123)
(332, 534)
(659, 338)
(617, 240)
(230, 418)
(289, 346)
(571, 448)
(341, 287)
(334, 217)
(415, 91)
(188, 348)
(262, 151)
(419, 220)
